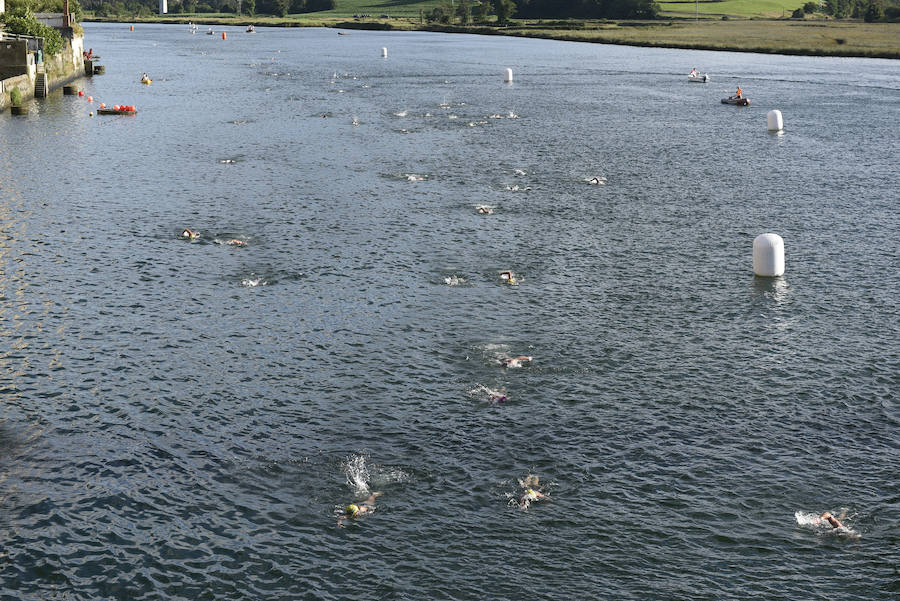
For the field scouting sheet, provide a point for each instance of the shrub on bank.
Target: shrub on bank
(15, 96)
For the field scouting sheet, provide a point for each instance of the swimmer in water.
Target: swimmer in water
(596, 180)
(510, 278)
(833, 521)
(494, 397)
(531, 492)
(354, 510)
(236, 242)
(485, 210)
(514, 361)
(190, 234)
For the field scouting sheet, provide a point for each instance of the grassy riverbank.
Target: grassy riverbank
(779, 36)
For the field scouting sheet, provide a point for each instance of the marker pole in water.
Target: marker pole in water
(132, 28)
(384, 52)
(776, 123)
(768, 256)
(507, 77)
(223, 35)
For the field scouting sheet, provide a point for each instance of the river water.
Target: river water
(186, 419)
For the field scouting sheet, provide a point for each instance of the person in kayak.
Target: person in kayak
(739, 93)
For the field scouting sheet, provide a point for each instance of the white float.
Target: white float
(384, 52)
(776, 123)
(768, 256)
(508, 76)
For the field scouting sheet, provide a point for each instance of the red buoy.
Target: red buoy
(81, 92)
(132, 28)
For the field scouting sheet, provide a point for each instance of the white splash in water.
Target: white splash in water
(362, 476)
(495, 397)
(357, 473)
(805, 518)
(252, 282)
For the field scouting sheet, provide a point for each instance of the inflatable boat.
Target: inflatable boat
(742, 101)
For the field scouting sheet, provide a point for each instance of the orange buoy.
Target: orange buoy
(132, 28)
(90, 98)
(103, 105)
(115, 107)
(223, 35)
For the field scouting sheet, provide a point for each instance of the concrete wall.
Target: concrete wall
(25, 85)
(50, 19)
(66, 66)
(13, 58)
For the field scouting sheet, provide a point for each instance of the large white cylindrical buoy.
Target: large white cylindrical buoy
(768, 256)
(384, 52)
(508, 76)
(776, 123)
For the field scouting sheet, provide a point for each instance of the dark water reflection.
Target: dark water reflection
(182, 419)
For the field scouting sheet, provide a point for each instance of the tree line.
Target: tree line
(868, 10)
(281, 8)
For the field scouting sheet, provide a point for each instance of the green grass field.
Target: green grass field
(394, 8)
(733, 8)
(737, 8)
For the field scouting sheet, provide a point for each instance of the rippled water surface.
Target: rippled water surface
(186, 419)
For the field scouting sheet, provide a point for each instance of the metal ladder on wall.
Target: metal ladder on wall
(41, 88)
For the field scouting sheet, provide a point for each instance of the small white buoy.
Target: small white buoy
(384, 52)
(776, 123)
(768, 256)
(508, 77)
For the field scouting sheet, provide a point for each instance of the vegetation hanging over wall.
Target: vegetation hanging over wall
(22, 21)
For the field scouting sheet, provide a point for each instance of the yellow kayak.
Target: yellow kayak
(147, 81)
